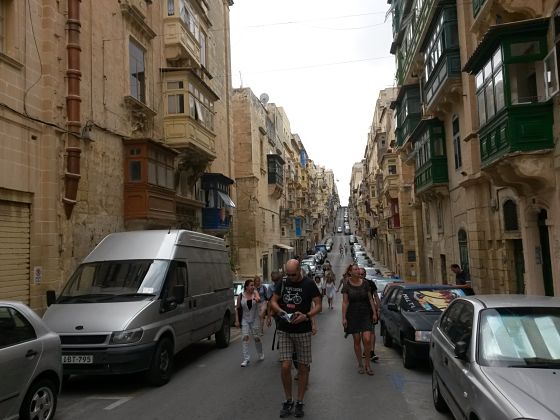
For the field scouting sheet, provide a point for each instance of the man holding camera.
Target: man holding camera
(292, 303)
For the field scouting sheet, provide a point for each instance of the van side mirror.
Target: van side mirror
(461, 348)
(51, 297)
(179, 293)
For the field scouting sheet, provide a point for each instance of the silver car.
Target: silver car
(497, 357)
(30, 364)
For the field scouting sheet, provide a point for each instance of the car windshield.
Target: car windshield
(520, 337)
(105, 281)
(431, 300)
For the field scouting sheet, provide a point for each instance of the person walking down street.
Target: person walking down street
(358, 316)
(330, 287)
(299, 298)
(347, 274)
(461, 277)
(246, 315)
(377, 303)
(276, 278)
(262, 306)
(320, 283)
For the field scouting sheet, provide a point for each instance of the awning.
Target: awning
(227, 200)
(289, 248)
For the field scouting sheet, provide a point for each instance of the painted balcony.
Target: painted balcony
(216, 215)
(415, 31)
(431, 158)
(408, 109)
(516, 78)
(442, 61)
(215, 219)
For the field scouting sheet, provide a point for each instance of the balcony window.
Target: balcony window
(457, 143)
(203, 39)
(477, 5)
(134, 170)
(392, 169)
(170, 7)
(137, 71)
(201, 107)
(161, 169)
(190, 19)
(490, 88)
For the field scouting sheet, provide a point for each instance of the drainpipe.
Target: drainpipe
(73, 100)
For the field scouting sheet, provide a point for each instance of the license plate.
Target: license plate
(77, 360)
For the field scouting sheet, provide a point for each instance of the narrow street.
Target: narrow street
(209, 383)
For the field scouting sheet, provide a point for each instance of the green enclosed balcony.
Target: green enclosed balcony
(414, 31)
(408, 110)
(431, 158)
(442, 61)
(516, 78)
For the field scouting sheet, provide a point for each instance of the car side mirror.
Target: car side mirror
(392, 307)
(179, 293)
(461, 349)
(51, 297)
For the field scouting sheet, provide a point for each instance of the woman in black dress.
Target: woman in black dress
(358, 316)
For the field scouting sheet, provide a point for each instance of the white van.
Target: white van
(139, 298)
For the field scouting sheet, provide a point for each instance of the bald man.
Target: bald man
(295, 295)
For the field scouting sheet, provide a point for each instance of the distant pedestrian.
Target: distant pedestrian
(276, 278)
(461, 277)
(246, 315)
(358, 316)
(293, 297)
(345, 277)
(320, 283)
(263, 292)
(330, 287)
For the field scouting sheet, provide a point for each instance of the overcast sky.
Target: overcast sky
(324, 62)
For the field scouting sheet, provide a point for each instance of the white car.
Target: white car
(339, 229)
(30, 364)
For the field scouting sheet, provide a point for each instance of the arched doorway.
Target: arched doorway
(545, 253)
(463, 251)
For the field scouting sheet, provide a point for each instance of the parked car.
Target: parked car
(310, 263)
(127, 307)
(382, 282)
(347, 230)
(408, 313)
(361, 255)
(498, 357)
(30, 364)
(351, 239)
(339, 229)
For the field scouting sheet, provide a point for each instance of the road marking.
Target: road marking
(119, 401)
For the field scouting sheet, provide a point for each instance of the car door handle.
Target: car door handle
(30, 353)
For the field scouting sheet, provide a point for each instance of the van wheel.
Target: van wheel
(162, 363)
(387, 340)
(223, 336)
(439, 402)
(40, 401)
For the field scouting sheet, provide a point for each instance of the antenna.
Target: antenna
(240, 80)
(264, 98)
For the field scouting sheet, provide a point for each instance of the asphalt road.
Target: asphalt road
(210, 384)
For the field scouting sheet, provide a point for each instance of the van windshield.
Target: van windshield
(110, 281)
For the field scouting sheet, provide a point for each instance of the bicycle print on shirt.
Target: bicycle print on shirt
(292, 296)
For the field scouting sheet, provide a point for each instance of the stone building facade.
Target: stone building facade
(283, 196)
(478, 84)
(110, 115)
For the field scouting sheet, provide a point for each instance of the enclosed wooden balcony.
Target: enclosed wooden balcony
(430, 156)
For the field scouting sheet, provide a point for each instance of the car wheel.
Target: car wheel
(439, 403)
(407, 358)
(387, 339)
(40, 401)
(223, 336)
(162, 363)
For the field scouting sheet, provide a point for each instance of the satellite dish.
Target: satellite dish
(264, 98)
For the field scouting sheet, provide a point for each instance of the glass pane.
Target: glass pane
(523, 83)
(487, 70)
(497, 59)
(135, 171)
(152, 177)
(438, 146)
(170, 178)
(479, 79)
(161, 175)
(524, 48)
(489, 92)
(170, 7)
(481, 108)
(499, 90)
